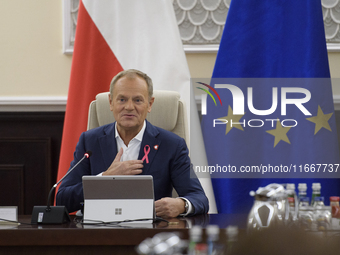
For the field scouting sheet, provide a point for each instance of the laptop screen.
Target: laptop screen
(118, 198)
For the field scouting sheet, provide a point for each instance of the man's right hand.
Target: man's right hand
(130, 167)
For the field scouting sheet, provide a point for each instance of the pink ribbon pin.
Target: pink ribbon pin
(146, 153)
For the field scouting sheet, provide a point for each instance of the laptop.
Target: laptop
(118, 198)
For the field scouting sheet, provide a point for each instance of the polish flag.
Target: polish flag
(115, 35)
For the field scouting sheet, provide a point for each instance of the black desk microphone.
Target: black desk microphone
(54, 214)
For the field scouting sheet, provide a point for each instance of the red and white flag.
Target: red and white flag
(115, 35)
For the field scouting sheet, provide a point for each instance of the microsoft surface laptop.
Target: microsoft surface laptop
(118, 198)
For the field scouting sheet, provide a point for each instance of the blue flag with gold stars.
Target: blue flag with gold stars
(268, 115)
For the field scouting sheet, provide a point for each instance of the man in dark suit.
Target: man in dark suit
(133, 146)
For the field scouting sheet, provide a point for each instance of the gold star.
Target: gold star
(231, 118)
(280, 133)
(321, 120)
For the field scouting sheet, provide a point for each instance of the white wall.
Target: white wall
(31, 58)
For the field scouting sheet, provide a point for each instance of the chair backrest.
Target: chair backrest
(168, 112)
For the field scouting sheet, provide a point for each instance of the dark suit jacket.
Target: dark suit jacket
(169, 165)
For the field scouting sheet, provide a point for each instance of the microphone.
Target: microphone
(54, 214)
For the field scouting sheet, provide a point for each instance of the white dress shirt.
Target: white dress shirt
(131, 152)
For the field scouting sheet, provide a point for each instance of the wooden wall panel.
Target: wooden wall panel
(12, 177)
(29, 141)
(35, 156)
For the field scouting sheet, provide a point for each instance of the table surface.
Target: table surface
(75, 238)
(74, 233)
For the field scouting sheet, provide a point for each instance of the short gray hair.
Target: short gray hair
(132, 73)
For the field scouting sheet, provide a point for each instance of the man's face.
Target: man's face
(130, 103)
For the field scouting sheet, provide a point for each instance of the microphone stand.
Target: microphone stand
(54, 214)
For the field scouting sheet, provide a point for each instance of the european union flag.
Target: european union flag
(276, 122)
